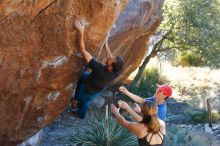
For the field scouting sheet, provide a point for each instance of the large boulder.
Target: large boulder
(37, 75)
(131, 32)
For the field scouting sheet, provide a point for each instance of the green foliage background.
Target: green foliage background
(195, 26)
(147, 84)
(189, 58)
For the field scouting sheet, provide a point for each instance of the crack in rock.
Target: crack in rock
(2, 59)
(27, 103)
(58, 61)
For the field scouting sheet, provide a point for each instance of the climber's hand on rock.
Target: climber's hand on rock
(79, 26)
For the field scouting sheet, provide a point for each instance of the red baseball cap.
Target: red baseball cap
(166, 89)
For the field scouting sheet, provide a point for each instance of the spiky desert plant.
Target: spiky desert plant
(102, 130)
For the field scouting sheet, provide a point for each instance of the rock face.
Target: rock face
(131, 32)
(37, 75)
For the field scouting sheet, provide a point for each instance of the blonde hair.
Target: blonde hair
(150, 118)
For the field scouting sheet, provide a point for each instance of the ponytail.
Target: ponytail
(150, 118)
(152, 123)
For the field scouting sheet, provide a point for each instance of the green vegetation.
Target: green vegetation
(102, 131)
(189, 59)
(197, 116)
(147, 84)
(201, 116)
(189, 26)
(215, 115)
(176, 136)
(193, 25)
(182, 137)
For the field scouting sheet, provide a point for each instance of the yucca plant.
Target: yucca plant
(102, 131)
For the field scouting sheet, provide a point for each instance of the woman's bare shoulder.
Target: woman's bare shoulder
(162, 126)
(162, 123)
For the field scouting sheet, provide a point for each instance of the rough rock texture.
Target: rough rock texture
(131, 32)
(37, 75)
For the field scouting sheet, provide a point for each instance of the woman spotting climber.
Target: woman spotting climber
(91, 84)
(148, 128)
(162, 93)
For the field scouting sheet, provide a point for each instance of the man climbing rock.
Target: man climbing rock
(163, 92)
(91, 84)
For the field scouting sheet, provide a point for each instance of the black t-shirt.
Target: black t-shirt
(99, 78)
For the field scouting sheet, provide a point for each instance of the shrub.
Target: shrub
(176, 136)
(147, 84)
(201, 116)
(182, 137)
(180, 88)
(215, 115)
(197, 116)
(189, 59)
(102, 131)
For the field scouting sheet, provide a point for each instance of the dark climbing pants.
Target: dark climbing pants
(83, 97)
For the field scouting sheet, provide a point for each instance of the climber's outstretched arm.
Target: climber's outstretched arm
(80, 27)
(107, 49)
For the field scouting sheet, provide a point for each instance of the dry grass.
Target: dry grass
(194, 84)
(191, 84)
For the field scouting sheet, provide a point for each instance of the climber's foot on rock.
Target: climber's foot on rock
(74, 105)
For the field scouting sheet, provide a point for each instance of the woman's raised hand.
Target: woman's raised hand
(123, 105)
(123, 89)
